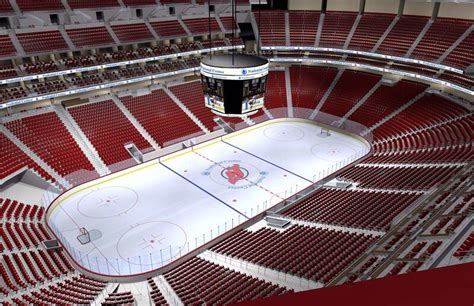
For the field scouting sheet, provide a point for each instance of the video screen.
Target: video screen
(234, 97)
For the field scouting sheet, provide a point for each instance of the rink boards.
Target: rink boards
(147, 216)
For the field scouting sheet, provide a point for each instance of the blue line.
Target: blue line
(189, 181)
(267, 161)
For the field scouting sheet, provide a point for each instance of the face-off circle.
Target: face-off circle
(235, 174)
(333, 151)
(284, 133)
(149, 238)
(107, 202)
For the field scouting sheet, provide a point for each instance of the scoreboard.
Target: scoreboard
(234, 87)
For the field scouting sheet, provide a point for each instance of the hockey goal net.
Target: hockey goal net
(84, 236)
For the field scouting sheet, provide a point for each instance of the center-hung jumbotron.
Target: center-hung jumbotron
(234, 84)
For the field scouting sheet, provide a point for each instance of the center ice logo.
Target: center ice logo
(234, 173)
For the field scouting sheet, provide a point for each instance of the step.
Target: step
(268, 113)
(180, 20)
(219, 22)
(248, 120)
(223, 125)
(253, 21)
(326, 94)
(289, 98)
(168, 293)
(111, 287)
(186, 110)
(384, 35)
(15, 7)
(263, 273)
(394, 113)
(82, 141)
(362, 100)
(66, 37)
(112, 33)
(287, 29)
(34, 157)
(16, 43)
(135, 122)
(419, 38)
(455, 44)
(152, 31)
(320, 29)
(66, 6)
(351, 33)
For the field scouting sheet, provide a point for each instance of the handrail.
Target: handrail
(365, 53)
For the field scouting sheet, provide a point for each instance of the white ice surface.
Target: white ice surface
(287, 144)
(146, 218)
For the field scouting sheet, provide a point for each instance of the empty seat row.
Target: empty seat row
(90, 36)
(312, 253)
(160, 116)
(14, 210)
(272, 27)
(336, 28)
(349, 89)
(191, 95)
(200, 25)
(425, 112)
(457, 132)
(13, 159)
(44, 41)
(108, 130)
(353, 208)
(46, 135)
(309, 84)
(303, 27)
(442, 33)
(430, 155)
(275, 94)
(132, 32)
(409, 178)
(465, 249)
(370, 29)
(385, 100)
(198, 281)
(40, 5)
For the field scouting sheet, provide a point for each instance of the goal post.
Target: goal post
(325, 132)
(84, 236)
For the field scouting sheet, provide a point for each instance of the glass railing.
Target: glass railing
(73, 205)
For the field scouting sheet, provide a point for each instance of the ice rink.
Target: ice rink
(144, 217)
